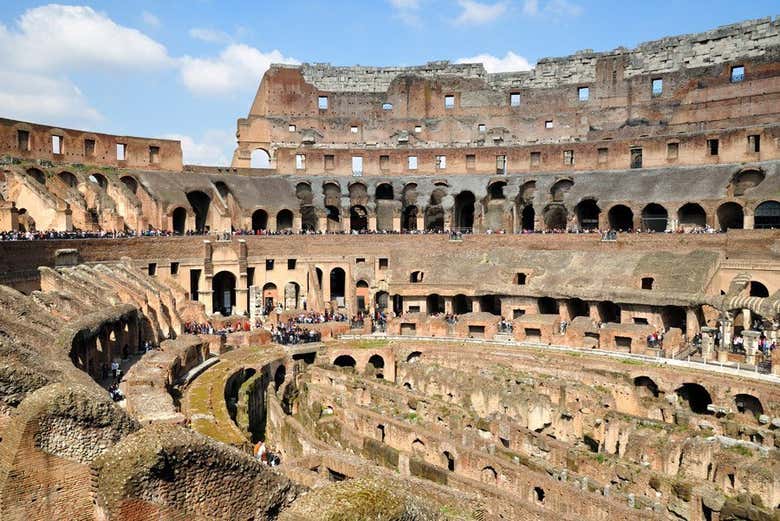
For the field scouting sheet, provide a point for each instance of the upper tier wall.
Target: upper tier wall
(727, 78)
(23, 140)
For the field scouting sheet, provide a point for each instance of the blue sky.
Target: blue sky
(189, 68)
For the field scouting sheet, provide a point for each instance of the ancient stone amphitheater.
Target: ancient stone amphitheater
(431, 292)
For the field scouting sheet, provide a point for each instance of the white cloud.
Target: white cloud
(407, 11)
(59, 37)
(238, 67)
(475, 13)
(209, 35)
(34, 97)
(554, 9)
(150, 19)
(509, 63)
(214, 149)
(531, 7)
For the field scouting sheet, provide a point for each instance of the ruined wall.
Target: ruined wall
(400, 111)
(19, 139)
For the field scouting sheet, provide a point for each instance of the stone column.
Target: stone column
(372, 222)
(726, 331)
(448, 304)
(692, 325)
(420, 221)
(396, 222)
(748, 221)
(323, 220)
(707, 342)
(297, 223)
(750, 344)
(747, 319)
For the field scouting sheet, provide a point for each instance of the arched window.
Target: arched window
(767, 215)
(345, 361)
(655, 217)
(696, 396)
(692, 215)
(555, 217)
(224, 294)
(260, 159)
(200, 203)
(730, 216)
(464, 212)
(179, 220)
(284, 220)
(259, 220)
(70, 179)
(621, 218)
(588, 214)
(384, 191)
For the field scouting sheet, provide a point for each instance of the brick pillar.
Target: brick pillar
(420, 221)
(708, 342)
(372, 222)
(750, 344)
(396, 222)
(748, 222)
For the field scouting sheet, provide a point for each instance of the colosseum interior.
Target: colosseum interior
(446, 294)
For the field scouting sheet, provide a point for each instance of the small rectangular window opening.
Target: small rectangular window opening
(269, 264)
(441, 162)
(357, 165)
(737, 73)
(636, 157)
(583, 93)
(174, 268)
(291, 264)
(568, 157)
(353, 129)
(657, 87)
(322, 102)
(712, 146)
(603, 155)
(152, 268)
(449, 101)
(501, 164)
(481, 127)
(300, 162)
(514, 99)
(23, 140)
(384, 163)
(672, 150)
(330, 161)
(89, 147)
(121, 151)
(548, 124)
(383, 263)
(471, 161)
(56, 144)
(536, 158)
(154, 155)
(291, 128)
(417, 129)
(754, 143)
(412, 162)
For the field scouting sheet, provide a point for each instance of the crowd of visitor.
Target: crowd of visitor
(315, 317)
(206, 328)
(290, 333)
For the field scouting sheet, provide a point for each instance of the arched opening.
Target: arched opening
(345, 361)
(259, 220)
(376, 365)
(380, 431)
(539, 494)
(757, 289)
(655, 218)
(309, 218)
(496, 190)
(224, 294)
(692, 215)
(555, 217)
(358, 194)
(767, 215)
(362, 295)
(621, 218)
(647, 283)
(25, 221)
(358, 218)
(434, 304)
(332, 193)
(588, 214)
(434, 218)
(382, 300)
(292, 294)
(578, 308)
(200, 203)
(38, 175)
(333, 219)
(337, 286)
(696, 396)
(608, 312)
(730, 215)
(222, 189)
(528, 218)
(384, 191)
(304, 194)
(489, 475)
(71, 180)
(560, 189)
(279, 376)
(179, 220)
(490, 304)
(418, 446)
(464, 212)
(270, 295)
(449, 460)
(748, 404)
(548, 306)
(409, 219)
(461, 304)
(99, 179)
(260, 159)
(413, 357)
(284, 220)
(645, 387)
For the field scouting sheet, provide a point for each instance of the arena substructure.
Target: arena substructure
(445, 295)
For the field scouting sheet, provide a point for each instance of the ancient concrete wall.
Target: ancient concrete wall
(24, 140)
(318, 110)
